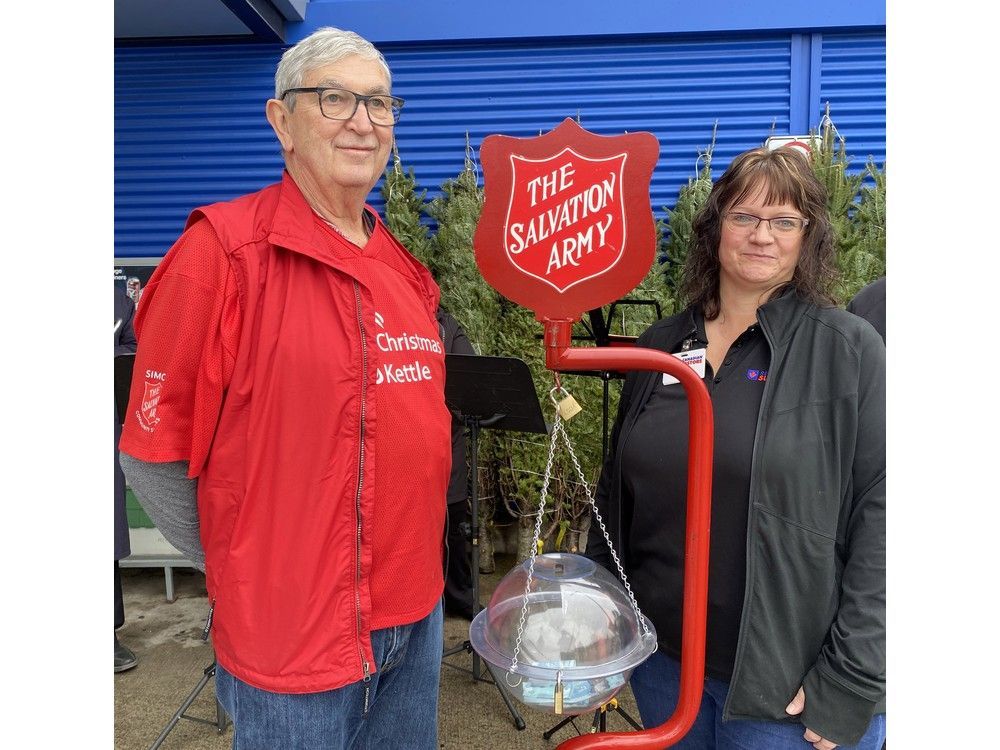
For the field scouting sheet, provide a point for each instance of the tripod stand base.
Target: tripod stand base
(600, 722)
(476, 663)
(221, 720)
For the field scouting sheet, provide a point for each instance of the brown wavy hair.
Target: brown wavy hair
(788, 178)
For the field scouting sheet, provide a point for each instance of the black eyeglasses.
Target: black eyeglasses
(341, 104)
(785, 226)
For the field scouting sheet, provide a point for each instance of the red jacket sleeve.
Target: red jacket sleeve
(188, 331)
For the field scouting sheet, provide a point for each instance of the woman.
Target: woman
(795, 649)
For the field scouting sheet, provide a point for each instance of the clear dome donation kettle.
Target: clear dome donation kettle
(565, 631)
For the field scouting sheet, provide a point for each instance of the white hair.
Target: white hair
(323, 47)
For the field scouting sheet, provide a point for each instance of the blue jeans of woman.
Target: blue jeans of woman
(656, 686)
(402, 701)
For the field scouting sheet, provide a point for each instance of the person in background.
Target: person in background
(125, 344)
(287, 426)
(869, 303)
(458, 576)
(795, 653)
(134, 287)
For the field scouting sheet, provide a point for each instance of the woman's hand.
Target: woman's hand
(794, 709)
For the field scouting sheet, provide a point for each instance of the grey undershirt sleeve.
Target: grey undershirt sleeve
(170, 499)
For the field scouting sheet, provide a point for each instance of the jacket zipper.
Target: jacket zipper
(741, 640)
(208, 621)
(365, 666)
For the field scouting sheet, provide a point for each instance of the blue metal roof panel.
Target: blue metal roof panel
(190, 126)
(853, 82)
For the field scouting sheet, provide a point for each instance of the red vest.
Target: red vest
(287, 490)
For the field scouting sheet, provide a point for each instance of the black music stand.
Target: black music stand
(600, 722)
(220, 722)
(496, 393)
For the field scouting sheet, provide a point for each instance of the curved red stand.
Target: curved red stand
(566, 227)
(559, 355)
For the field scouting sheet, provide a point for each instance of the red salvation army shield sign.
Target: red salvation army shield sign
(566, 225)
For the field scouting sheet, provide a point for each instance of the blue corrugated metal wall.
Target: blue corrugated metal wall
(673, 89)
(189, 130)
(190, 127)
(852, 80)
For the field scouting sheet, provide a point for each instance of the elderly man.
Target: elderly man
(290, 376)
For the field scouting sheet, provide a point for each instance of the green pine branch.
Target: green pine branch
(403, 209)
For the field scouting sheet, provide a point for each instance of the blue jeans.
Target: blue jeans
(656, 686)
(402, 701)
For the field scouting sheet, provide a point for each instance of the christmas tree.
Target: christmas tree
(403, 210)
(857, 258)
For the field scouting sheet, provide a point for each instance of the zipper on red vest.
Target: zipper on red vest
(357, 495)
(208, 621)
(367, 681)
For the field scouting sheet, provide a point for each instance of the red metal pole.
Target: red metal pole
(561, 357)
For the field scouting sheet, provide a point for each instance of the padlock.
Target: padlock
(569, 408)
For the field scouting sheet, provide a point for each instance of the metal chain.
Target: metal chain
(607, 538)
(537, 535)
